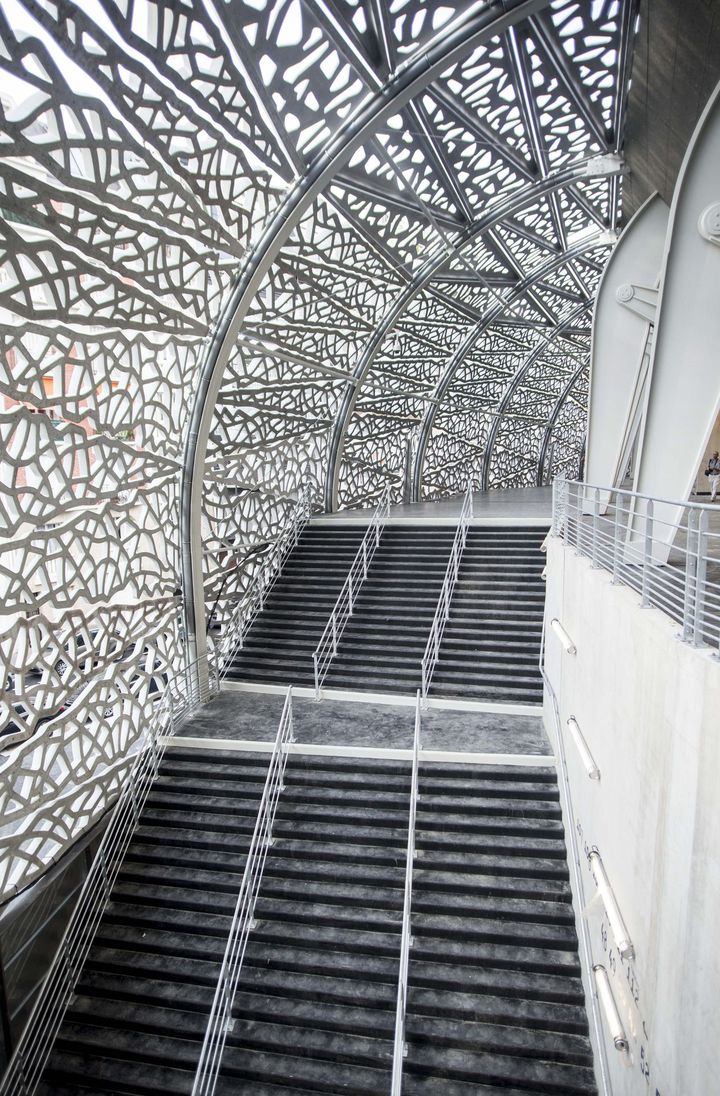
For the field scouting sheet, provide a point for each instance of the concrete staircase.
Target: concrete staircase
(495, 998)
(491, 644)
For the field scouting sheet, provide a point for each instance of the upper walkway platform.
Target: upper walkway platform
(524, 505)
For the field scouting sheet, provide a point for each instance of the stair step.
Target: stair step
(555, 1078)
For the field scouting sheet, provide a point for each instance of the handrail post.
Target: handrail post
(595, 525)
(690, 572)
(647, 553)
(578, 519)
(700, 579)
(555, 526)
(617, 538)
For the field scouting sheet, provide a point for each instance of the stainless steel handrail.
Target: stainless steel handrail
(208, 1067)
(32, 1051)
(442, 612)
(252, 603)
(673, 565)
(406, 938)
(342, 610)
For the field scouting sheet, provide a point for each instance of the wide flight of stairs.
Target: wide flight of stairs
(491, 643)
(383, 642)
(495, 1004)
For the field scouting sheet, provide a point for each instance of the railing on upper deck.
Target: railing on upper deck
(665, 549)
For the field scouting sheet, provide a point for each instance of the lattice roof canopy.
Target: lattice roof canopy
(368, 231)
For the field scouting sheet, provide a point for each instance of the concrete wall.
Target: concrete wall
(649, 709)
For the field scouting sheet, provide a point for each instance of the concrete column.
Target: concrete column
(684, 382)
(619, 339)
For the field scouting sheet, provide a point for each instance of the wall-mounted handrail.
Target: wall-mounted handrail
(342, 610)
(252, 603)
(673, 565)
(221, 1012)
(584, 943)
(442, 612)
(33, 1049)
(406, 937)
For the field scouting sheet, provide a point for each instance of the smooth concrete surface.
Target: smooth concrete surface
(254, 717)
(527, 505)
(649, 709)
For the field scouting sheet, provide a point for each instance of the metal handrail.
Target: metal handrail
(220, 1019)
(33, 1049)
(673, 565)
(442, 611)
(406, 938)
(342, 610)
(252, 603)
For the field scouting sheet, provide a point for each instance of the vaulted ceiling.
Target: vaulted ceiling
(348, 242)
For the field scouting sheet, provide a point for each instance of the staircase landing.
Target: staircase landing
(251, 718)
(525, 505)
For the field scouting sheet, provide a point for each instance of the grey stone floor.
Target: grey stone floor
(255, 716)
(530, 505)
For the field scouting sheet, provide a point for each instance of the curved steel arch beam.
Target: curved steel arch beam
(596, 167)
(463, 350)
(476, 26)
(560, 403)
(518, 378)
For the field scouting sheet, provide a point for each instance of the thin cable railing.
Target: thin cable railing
(442, 612)
(220, 1019)
(406, 939)
(32, 1051)
(673, 564)
(342, 610)
(253, 602)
